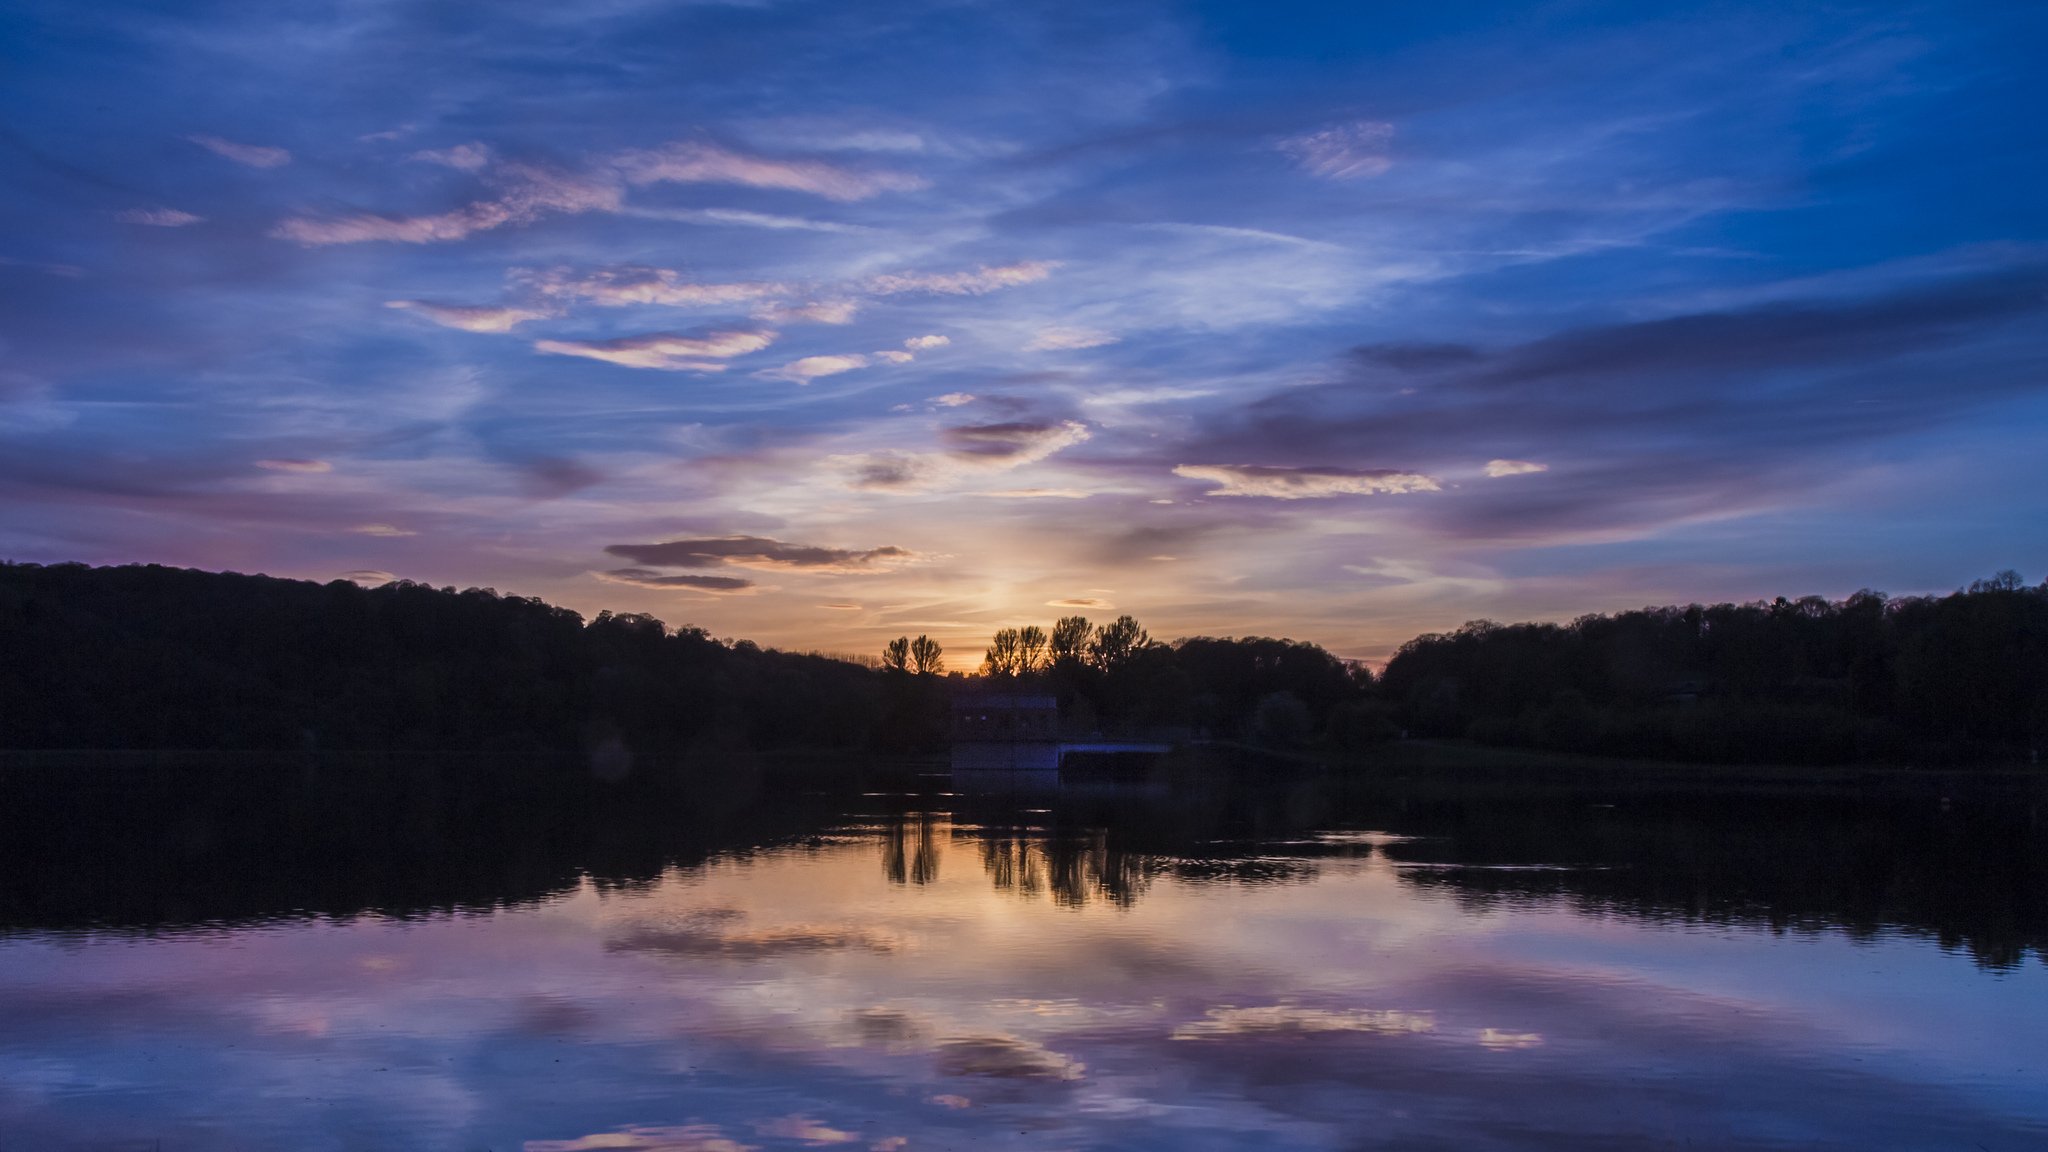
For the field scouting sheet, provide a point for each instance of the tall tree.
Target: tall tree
(1069, 644)
(896, 655)
(1030, 648)
(926, 657)
(1116, 642)
(1005, 655)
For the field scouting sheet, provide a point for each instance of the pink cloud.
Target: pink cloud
(691, 162)
(663, 351)
(251, 155)
(979, 282)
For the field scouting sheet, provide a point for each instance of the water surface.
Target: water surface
(1230, 961)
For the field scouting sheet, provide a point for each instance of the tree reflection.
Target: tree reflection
(910, 853)
(1958, 859)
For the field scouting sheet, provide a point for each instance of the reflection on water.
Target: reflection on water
(396, 958)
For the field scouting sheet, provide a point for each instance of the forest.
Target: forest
(148, 657)
(1953, 679)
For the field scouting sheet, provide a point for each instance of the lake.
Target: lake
(730, 956)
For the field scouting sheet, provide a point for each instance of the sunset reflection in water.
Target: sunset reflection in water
(918, 979)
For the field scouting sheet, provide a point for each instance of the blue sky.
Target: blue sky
(824, 323)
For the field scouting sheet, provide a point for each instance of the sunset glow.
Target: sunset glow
(1342, 322)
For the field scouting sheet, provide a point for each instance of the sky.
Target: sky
(819, 324)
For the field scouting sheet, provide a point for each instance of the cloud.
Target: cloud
(252, 155)
(1302, 483)
(384, 530)
(528, 194)
(692, 162)
(1069, 339)
(1079, 602)
(761, 553)
(894, 356)
(1686, 418)
(979, 282)
(925, 343)
(645, 1138)
(1016, 441)
(817, 312)
(368, 576)
(971, 448)
(714, 932)
(633, 284)
(1498, 468)
(471, 319)
(1037, 494)
(842, 606)
(664, 351)
(953, 399)
(649, 578)
(739, 217)
(813, 367)
(1343, 151)
(1005, 1057)
(1286, 1019)
(462, 157)
(295, 465)
(551, 477)
(158, 217)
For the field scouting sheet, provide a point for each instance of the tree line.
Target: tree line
(1115, 677)
(1961, 678)
(147, 657)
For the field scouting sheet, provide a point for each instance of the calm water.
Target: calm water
(218, 961)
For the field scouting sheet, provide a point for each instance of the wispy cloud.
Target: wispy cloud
(818, 312)
(251, 155)
(385, 530)
(971, 448)
(1068, 339)
(816, 367)
(665, 351)
(1498, 468)
(635, 284)
(1303, 483)
(666, 582)
(1014, 441)
(486, 318)
(693, 162)
(527, 193)
(158, 217)
(1080, 602)
(979, 282)
(760, 552)
(1343, 151)
(462, 157)
(741, 218)
(307, 466)
(926, 343)
(953, 399)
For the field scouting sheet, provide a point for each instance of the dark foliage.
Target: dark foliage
(1953, 679)
(146, 657)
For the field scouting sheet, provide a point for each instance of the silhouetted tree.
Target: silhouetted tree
(1005, 655)
(1069, 643)
(926, 657)
(896, 654)
(1030, 648)
(1948, 679)
(1116, 642)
